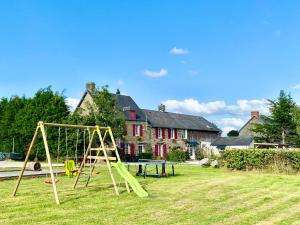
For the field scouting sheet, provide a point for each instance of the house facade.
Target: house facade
(246, 130)
(156, 130)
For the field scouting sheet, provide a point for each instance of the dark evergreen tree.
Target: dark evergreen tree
(280, 126)
(233, 133)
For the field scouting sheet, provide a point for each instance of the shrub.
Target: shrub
(176, 155)
(146, 155)
(199, 154)
(249, 159)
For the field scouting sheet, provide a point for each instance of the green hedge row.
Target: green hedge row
(248, 159)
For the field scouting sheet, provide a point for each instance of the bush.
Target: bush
(199, 154)
(249, 159)
(146, 155)
(176, 155)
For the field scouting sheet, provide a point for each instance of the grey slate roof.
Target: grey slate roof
(124, 101)
(181, 121)
(233, 141)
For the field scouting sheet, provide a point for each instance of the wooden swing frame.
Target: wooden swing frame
(96, 131)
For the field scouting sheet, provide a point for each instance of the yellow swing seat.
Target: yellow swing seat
(70, 168)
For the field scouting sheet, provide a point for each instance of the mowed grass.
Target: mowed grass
(194, 196)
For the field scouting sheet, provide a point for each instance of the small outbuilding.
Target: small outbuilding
(240, 142)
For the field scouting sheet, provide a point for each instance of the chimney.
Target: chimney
(162, 108)
(90, 86)
(255, 114)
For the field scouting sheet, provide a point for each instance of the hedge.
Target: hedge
(249, 159)
(176, 155)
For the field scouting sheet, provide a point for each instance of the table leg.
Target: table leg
(173, 170)
(145, 171)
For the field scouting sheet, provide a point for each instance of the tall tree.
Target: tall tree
(233, 133)
(279, 126)
(47, 106)
(105, 112)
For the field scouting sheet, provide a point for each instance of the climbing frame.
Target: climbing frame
(102, 137)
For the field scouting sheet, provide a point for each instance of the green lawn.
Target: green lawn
(195, 196)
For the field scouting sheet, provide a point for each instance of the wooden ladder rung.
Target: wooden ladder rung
(101, 149)
(102, 158)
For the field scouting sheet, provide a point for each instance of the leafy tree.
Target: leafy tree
(233, 133)
(47, 106)
(9, 109)
(105, 112)
(280, 126)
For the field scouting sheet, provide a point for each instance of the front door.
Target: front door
(192, 152)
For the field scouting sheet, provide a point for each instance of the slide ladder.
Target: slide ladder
(135, 185)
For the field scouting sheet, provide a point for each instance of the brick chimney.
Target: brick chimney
(162, 108)
(90, 86)
(255, 114)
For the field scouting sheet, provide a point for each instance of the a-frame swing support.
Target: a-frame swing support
(96, 132)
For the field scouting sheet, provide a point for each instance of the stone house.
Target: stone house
(157, 131)
(246, 130)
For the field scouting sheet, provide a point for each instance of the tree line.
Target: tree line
(19, 117)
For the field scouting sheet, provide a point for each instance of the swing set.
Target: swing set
(101, 140)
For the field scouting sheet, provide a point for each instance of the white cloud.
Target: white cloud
(232, 122)
(156, 74)
(226, 130)
(72, 103)
(228, 124)
(120, 82)
(192, 106)
(296, 87)
(179, 51)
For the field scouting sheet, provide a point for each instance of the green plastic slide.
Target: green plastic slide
(135, 185)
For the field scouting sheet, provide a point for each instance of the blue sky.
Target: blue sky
(219, 59)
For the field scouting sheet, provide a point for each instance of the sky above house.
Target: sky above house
(218, 59)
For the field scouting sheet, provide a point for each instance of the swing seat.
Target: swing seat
(49, 181)
(70, 168)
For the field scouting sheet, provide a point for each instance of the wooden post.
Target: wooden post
(35, 136)
(117, 154)
(84, 159)
(49, 163)
(107, 161)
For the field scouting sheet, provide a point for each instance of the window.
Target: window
(184, 134)
(141, 149)
(160, 150)
(159, 133)
(127, 149)
(173, 133)
(137, 130)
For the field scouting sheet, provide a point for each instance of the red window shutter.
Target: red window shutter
(141, 130)
(133, 130)
(156, 133)
(163, 133)
(164, 151)
(169, 133)
(131, 149)
(132, 115)
(156, 151)
(175, 130)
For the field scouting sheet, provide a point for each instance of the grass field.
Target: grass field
(195, 196)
